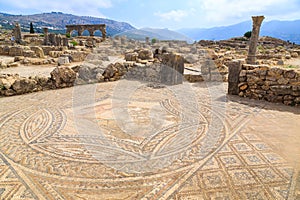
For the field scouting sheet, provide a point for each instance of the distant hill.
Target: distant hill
(56, 22)
(160, 34)
(285, 30)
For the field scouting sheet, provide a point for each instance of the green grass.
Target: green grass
(291, 67)
(74, 43)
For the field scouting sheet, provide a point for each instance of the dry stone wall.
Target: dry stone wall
(272, 84)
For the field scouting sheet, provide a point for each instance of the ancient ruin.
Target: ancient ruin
(17, 33)
(91, 28)
(257, 20)
(126, 119)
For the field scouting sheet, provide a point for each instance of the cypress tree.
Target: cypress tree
(31, 28)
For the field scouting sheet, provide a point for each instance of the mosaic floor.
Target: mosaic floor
(130, 140)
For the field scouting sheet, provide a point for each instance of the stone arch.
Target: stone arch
(73, 32)
(86, 32)
(98, 33)
(90, 27)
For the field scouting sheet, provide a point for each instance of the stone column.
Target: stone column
(58, 40)
(123, 39)
(17, 33)
(46, 36)
(147, 39)
(234, 69)
(52, 39)
(103, 31)
(257, 20)
(65, 42)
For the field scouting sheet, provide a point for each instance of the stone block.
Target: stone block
(234, 69)
(290, 74)
(281, 89)
(15, 51)
(38, 51)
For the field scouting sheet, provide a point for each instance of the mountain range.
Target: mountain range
(160, 34)
(57, 21)
(285, 30)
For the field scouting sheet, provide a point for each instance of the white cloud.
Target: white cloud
(175, 15)
(237, 10)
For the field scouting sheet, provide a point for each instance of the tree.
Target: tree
(31, 28)
(248, 34)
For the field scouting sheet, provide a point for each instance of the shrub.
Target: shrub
(154, 40)
(74, 43)
(68, 35)
(248, 34)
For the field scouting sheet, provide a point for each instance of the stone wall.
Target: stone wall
(268, 83)
(148, 73)
(13, 84)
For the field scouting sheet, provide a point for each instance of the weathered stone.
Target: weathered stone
(294, 55)
(265, 87)
(15, 51)
(85, 73)
(283, 81)
(296, 93)
(288, 56)
(3, 65)
(78, 56)
(172, 69)
(275, 72)
(145, 54)
(290, 74)
(63, 77)
(17, 33)
(100, 77)
(55, 54)
(24, 85)
(63, 61)
(18, 58)
(280, 62)
(248, 67)
(257, 21)
(29, 53)
(7, 82)
(110, 71)
(14, 64)
(296, 87)
(38, 51)
(254, 79)
(243, 73)
(281, 89)
(191, 58)
(212, 54)
(234, 69)
(43, 82)
(297, 100)
(193, 78)
(132, 56)
(243, 86)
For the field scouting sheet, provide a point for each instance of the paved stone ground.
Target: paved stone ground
(132, 140)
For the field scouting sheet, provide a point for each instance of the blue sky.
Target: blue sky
(172, 14)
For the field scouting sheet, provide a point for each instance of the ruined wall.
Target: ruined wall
(269, 83)
(91, 28)
(149, 73)
(13, 84)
